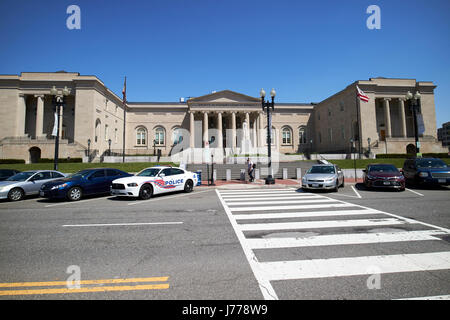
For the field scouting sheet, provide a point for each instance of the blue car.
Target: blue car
(84, 182)
(426, 171)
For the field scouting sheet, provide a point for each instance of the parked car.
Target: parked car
(26, 183)
(323, 176)
(6, 173)
(84, 182)
(154, 180)
(383, 175)
(426, 171)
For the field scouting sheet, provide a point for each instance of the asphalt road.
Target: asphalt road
(188, 246)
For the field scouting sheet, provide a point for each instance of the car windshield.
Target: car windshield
(383, 168)
(79, 174)
(152, 172)
(322, 169)
(431, 163)
(22, 176)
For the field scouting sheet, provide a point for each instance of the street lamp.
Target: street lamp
(414, 107)
(352, 143)
(267, 105)
(59, 101)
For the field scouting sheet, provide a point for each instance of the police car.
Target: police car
(154, 180)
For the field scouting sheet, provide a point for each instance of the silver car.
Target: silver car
(323, 176)
(26, 183)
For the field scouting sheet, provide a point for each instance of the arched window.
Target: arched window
(286, 134)
(302, 135)
(177, 135)
(159, 136)
(141, 136)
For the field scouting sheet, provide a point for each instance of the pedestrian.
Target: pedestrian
(250, 169)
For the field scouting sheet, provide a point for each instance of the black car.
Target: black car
(6, 173)
(426, 171)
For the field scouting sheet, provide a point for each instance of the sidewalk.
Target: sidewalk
(261, 182)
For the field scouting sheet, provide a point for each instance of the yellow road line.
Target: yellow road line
(81, 290)
(63, 283)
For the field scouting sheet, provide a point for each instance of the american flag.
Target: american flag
(124, 91)
(361, 95)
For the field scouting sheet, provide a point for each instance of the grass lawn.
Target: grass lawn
(348, 163)
(74, 167)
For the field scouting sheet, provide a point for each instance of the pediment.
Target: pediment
(225, 96)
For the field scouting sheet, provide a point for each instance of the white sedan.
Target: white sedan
(154, 180)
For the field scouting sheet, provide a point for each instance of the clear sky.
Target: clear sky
(306, 50)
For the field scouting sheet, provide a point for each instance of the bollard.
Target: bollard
(242, 177)
(285, 173)
(299, 173)
(228, 176)
(257, 175)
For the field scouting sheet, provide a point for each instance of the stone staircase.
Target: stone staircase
(221, 169)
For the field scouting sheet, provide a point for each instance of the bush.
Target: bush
(11, 161)
(406, 156)
(60, 160)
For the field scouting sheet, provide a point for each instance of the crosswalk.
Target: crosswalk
(332, 239)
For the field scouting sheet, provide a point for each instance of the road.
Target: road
(230, 243)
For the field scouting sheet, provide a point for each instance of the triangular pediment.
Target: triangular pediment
(224, 96)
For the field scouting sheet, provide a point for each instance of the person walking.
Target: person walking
(250, 170)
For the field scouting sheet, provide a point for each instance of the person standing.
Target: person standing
(250, 170)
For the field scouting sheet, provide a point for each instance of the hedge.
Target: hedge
(405, 156)
(60, 160)
(11, 161)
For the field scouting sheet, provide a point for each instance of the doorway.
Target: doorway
(35, 154)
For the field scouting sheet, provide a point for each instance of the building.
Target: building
(224, 122)
(444, 135)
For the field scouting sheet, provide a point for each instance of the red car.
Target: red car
(383, 176)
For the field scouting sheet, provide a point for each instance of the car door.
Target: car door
(96, 183)
(340, 175)
(178, 178)
(167, 178)
(37, 181)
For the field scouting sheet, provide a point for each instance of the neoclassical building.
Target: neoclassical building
(224, 122)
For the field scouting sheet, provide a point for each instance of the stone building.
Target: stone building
(225, 122)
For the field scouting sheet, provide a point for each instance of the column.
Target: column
(39, 116)
(21, 115)
(261, 129)
(387, 117)
(61, 117)
(255, 139)
(191, 129)
(233, 129)
(219, 128)
(247, 119)
(401, 110)
(205, 129)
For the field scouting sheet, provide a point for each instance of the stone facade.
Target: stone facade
(224, 122)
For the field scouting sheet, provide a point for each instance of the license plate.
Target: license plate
(442, 180)
(315, 184)
(386, 183)
(41, 193)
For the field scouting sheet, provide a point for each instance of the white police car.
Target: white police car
(154, 180)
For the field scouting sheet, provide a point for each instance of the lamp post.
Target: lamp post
(59, 100)
(109, 147)
(414, 106)
(89, 150)
(267, 105)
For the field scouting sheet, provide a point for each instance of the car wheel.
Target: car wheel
(16, 194)
(146, 192)
(188, 186)
(343, 183)
(74, 194)
(336, 188)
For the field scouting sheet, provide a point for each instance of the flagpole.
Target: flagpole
(124, 101)
(357, 122)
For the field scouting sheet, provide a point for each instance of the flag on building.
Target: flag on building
(361, 95)
(124, 91)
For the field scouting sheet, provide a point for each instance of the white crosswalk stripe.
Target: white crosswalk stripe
(328, 223)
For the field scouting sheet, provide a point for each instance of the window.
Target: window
(177, 136)
(106, 132)
(329, 111)
(175, 171)
(98, 174)
(330, 134)
(97, 129)
(167, 172)
(113, 172)
(286, 135)
(343, 132)
(141, 136)
(341, 104)
(302, 135)
(320, 137)
(57, 175)
(115, 136)
(42, 176)
(318, 116)
(159, 136)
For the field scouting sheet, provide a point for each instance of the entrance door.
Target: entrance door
(383, 135)
(35, 154)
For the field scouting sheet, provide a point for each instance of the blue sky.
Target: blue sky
(307, 50)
